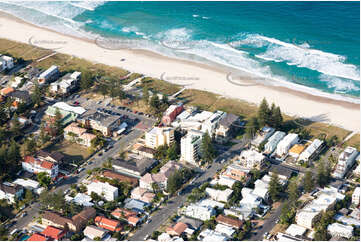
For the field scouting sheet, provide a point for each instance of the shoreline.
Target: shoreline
(202, 76)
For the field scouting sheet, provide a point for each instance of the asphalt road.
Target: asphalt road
(161, 216)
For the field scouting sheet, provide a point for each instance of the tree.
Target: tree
(57, 121)
(36, 95)
(308, 181)
(251, 127)
(13, 153)
(30, 146)
(145, 95)
(28, 196)
(165, 99)
(323, 174)
(208, 151)
(44, 179)
(173, 151)
(264, 113)
(103, 89)
(15, 125)
(288, 213)
(276, 117)
(154, 102)
(274, 187)
(292, 190)
(86, 80)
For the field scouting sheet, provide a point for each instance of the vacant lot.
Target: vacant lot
(74, 153)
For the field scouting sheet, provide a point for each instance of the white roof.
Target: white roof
(311, 149)
(224, 181)
(337, 228)
(219, 195)
(201, 116)
(347, 220)
(27, 183)
(83, 199)
(211, 235)
(224, 229)
(210, 203)
(69, 108)
(48, 71)
(183, 115)
(295, 230)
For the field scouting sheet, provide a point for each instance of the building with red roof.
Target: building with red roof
(35, 165)
(53, 233)
(177, 230)
(109, 224)
(130, 216)
(37, 237)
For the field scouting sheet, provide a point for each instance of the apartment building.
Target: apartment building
(226, 127)
(159, 136)
(35, 165)
(67, 84)
(251, 159)
(272, 142)
(345, 161)
(311, 150)
(286, 143)
(11, 192)
(51, 74)
(265, 133)
(210, 124)
(191, 146)
(356, 196)
(171, 113)
(103, 189)
(6, 63)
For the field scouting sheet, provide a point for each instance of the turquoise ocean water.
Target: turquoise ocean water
(296, 44)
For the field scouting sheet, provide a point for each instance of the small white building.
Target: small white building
(225, 230)
(50, 74)
(296, 230)
(29, 184)
(310, 150)
(356, 196)
(103, 189)
(224, 181)
(340, 230)
(68, 83)
(199, 212)
(263, 135)
(6, 63)
(10, 192)
(286, 143)
(91, 232)
(34, 165)
(345, 162)
(211, 235)
(219, 195)
(159, 136)
(251, 159)
(211, 123)
(271, 145)
(191, 146)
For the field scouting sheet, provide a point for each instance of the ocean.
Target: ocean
(309, 46)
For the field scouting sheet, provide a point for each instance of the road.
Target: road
(269, 223)
(161, 216)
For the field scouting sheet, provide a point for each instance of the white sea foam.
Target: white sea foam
(302, 56)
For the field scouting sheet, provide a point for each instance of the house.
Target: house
(226, 127)
(356, 196)
(20, 97)
(103, 122)
(192, 224)
(210, 124)
(91, 232)
(263, 135)
(49, 75)
(120, 177)
(199, 212)
(37, 237)
(159, 136)
(211, 235)
(247, 206)
(145, 151)
(191, 146)
(345, 161)
(109, 224)
(79, 135)
(296, 150)
(346, 220)
(311, 150)
(67, 117)
(232, 222)
(310, 213)
(177, 230)
(171, 113)
(135, 165)
(271, 145)
(67, 84)
(103, 189)
(35, 165)
(55, 156)
(142, 194)
(53, 233)
(285, 144)
(340, 230)
(160, 178)
(75, 224)
(11, 192)
(135, 205)
(128, 215)
(296, 230)
(237, 172)
(219, 195)
(224, 181)
(251, 159)
(29, 184)
(6, 63)
(261, 188)
(6, 91)
(282, 172)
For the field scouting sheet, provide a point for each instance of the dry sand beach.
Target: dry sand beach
(200, 76)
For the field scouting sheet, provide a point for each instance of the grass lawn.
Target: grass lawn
(73, 152)
(354, 141)
(161, 86)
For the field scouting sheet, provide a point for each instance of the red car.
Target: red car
(76, 103)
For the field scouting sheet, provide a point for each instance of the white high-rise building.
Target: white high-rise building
(159, 136)
(345, 161)
(103, 189)
(191, 146)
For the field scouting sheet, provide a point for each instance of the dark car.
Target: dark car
(76, 103)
